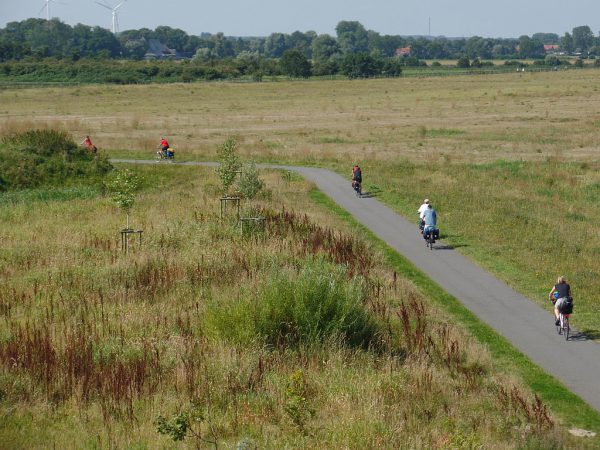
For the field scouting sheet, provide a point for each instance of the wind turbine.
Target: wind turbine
(115, 22)
(47, 7)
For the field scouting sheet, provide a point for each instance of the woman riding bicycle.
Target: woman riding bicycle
(560, 294)
(356, 175)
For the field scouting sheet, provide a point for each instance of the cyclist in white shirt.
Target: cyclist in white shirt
(421, 211)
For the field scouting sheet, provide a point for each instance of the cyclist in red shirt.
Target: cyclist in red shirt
(88, 144)
(164, 145)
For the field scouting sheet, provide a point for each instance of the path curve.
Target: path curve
(526, 325)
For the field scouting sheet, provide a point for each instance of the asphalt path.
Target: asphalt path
(530, 328)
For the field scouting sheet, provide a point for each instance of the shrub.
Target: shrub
(294, 64)
(360, 65)
(327, 67)
(47, 157)
(316, 305)
(249, 183)
(44, 142)
(392, 67)
(463, 62)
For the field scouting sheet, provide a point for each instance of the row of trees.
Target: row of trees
(292, 63)
(39, 38)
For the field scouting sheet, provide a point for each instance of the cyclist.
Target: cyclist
(164, 146)
(421, 210)
(356, 176)
(88, 144)
(559, 295)
(430, 221)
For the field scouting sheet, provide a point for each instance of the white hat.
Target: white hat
(426, 200)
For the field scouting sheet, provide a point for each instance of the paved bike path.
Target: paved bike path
(526, 325)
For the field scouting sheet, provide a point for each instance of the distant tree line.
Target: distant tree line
(354, 51)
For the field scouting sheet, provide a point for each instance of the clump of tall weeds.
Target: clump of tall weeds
(305, 308)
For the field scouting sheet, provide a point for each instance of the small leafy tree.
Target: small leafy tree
(360, 65)
(229, 164)
(122, 188)
(188, 424)
(294, 64)
(249, 183)
(463, 62)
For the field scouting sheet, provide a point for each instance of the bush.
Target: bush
(328, 67)
(463, 62)
(44, 142)
(316, 305)
(392, 67)
(294, 64)
(360, 65)
(413, 61)
(249, 183)
(47, 158)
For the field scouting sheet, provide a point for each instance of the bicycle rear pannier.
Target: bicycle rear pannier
(567, 307)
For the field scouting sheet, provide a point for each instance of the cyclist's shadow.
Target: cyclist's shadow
(590, 335)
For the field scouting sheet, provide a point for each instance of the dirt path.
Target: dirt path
(527, 326)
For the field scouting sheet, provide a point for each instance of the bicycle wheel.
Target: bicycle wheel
(559, 326)
(430, 240)
(566, 328)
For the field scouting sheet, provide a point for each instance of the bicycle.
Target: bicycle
(431, 233)
(565, 310)
(357, 188)
(165, 155)
(563, 325)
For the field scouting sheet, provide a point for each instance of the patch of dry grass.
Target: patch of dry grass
(514, 116)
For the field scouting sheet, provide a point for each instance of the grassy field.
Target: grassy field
(105, 349)
(446, 133)
(510, 162)
(462, 119)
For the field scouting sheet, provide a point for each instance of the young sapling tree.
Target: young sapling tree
(249, 184)
(122, 188)
(229, 164)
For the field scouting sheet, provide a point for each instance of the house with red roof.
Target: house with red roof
(403, 51)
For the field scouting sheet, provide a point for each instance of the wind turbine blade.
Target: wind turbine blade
(118, 6)
(43, 7)
(105, 6)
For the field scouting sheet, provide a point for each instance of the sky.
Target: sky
(452, 18)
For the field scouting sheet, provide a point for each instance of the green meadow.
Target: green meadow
(309, 332)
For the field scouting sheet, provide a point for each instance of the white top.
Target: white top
(422, 209)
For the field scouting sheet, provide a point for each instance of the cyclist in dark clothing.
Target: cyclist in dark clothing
(559, 295)
(356, 177)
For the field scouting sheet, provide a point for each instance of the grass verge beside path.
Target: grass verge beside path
(567, 406)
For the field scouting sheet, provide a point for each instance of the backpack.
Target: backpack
(567, 307)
